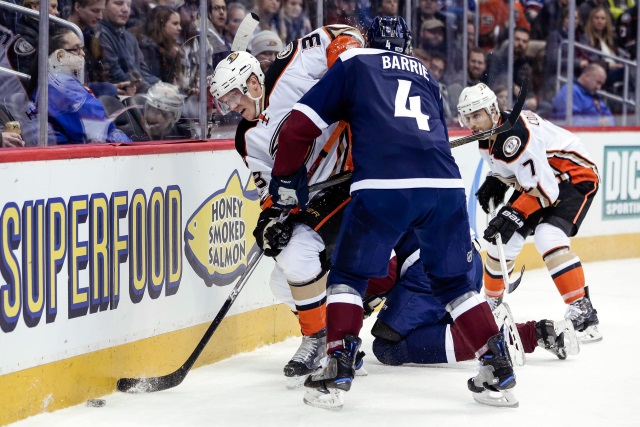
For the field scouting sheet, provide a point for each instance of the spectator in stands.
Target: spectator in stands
(344, 12)
(217, 10)
(437, 65)
(190, 44)
(268, 10)
(235, 14)
(265, 46)
(294, 21)
(158, 41)
(388, 8)
(476, 73)
(494, 20)
(588, 107)
(598, 33)
(552, 48)
(139, 11)
(627, 31)
(432, 36)
(587, 6)
(427, 9)
(22, 53)
(549, 19)
(120, 49)
(75, 115)
(522, 64)
(422, 55)
(86, 14)
(10, 139)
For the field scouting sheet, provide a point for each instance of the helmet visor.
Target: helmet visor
(229, 101)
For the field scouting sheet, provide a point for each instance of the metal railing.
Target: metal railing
(625, 99)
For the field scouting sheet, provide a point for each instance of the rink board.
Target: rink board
(131, 251)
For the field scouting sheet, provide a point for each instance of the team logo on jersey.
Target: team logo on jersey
(286, 51)
(23, 47)
(511, 146)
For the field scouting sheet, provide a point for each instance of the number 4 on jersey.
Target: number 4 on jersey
(414, 105)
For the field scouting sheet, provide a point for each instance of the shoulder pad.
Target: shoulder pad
(509, 145)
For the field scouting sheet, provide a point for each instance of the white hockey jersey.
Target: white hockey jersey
(535, 156)
(297, 68)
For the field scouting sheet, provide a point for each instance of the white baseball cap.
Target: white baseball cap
(265, 41)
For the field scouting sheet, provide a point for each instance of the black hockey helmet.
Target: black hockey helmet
(390, 33)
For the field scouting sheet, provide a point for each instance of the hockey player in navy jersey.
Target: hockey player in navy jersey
(555, 182)
(413, 327)
(404, 177)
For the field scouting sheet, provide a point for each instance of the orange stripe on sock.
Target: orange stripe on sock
(314, 320)
(493, 286)
(571, 284)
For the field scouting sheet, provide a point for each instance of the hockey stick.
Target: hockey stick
(153, 384)
(244, 32)
(509, 286)
(512, 118)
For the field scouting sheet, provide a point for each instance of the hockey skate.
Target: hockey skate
(585, 320)
(559, 338)
(508, 327)
(492, 386)
(306, 360)
(326, 385)
(493, 302)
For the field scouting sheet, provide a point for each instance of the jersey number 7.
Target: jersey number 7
(414, 105)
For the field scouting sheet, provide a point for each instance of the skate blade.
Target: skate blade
(589, 335)
(293, 383)
(362, 372)
(503, 399)
(333, 400)
(571, 342)
(506, 324)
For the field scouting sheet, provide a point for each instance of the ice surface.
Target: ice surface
(598, 387)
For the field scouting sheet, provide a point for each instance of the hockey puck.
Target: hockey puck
(96, 403)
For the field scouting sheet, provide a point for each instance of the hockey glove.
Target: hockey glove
(287, 192)
(505, 223)
(271, 234)
(491, 188)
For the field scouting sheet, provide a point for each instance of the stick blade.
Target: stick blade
(149, 385)
(244, 32)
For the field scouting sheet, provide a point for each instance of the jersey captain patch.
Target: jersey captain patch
(511, 146)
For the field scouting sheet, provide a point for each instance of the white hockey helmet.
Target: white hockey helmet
(166, 98)
(474, 98)
(233, 72)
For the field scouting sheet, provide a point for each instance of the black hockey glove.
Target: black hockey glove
(491, 188)
(271, 235)
(505, 223)
(287, 192)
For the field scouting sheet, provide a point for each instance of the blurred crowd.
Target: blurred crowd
(140, 60)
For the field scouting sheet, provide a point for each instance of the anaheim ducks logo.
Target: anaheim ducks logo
(232, 57)
(511, 146)
(286, 51)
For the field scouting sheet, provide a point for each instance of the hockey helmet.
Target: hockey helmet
(162, 107)
(474, 98)
(390, 33)
(233, 72)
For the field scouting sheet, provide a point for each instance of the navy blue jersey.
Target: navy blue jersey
(401, 141)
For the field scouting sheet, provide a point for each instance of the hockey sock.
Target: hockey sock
(567, 273)
(310, 300)
(528, 336)
(344, 316)
(493, 282)
(474, 320)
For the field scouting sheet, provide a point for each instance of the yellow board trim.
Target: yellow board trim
(72, 381)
